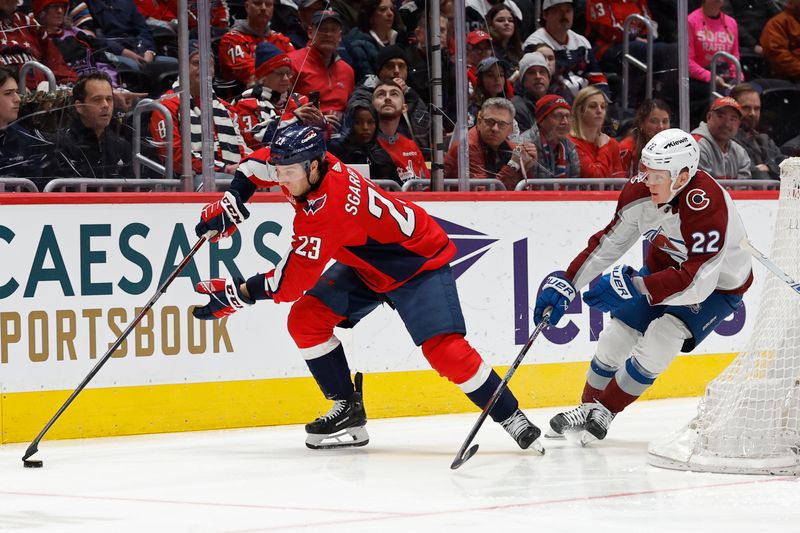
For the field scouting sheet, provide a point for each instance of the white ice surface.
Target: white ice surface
(265, 479)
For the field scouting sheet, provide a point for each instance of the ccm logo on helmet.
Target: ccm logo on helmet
(697, 200)
(676, 142)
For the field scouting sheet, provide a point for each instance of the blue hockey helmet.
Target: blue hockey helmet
(297, 143)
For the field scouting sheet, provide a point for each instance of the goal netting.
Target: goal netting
(748, 421)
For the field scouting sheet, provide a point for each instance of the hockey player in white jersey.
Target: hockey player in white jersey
(694, 276)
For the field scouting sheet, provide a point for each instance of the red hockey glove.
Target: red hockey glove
(219, 219)
(226, 298)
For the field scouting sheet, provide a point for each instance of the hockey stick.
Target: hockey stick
(767, 262)
(34, 446)
(463, 454)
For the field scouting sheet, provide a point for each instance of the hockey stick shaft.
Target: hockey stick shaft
(34, 446)
(464, 455)
(767, 262)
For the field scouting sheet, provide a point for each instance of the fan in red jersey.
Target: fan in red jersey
(694, 277)
(386, 251)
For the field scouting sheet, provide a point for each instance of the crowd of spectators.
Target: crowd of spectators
(543, 98)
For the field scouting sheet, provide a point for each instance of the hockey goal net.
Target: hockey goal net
(748, 421)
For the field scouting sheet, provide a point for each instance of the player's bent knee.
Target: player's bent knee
(311, 322)
(615, 343)
(452, 357)
(661, 343)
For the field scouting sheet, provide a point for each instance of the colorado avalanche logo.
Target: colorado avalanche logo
(666, 245)
(697, 200)
(312, 206)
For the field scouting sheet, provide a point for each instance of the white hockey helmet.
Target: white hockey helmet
(672, 150)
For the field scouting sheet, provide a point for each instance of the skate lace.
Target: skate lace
(603, 416)
(576, 416)
(516, 425)
(336, 410)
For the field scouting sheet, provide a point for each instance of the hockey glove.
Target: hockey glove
(226, 298)
(557, 293)
(219, 219)
(613, 290)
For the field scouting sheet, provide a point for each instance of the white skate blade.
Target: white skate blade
(537, 447)
(587, 438)
(579, 437)
(347, 438)
(550, 434)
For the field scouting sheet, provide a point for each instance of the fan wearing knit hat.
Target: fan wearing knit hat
(534, 81)
(558, 157)
(262, 107)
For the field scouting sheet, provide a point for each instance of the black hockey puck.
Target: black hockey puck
(32, 463)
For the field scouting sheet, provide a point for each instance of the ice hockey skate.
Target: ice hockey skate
(343, 425)
(523, 431)
(572, 421)
(598, 420)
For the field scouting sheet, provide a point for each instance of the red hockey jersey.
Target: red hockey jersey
(605, 20)
(694, 243)
(237, 51)
(406, 156)
(385, 240)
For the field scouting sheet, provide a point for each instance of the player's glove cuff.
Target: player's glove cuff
(562, 286)
(257, 287)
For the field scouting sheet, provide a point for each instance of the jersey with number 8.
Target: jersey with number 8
(386, 240)
(694, 243)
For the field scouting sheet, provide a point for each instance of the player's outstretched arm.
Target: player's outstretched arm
(557, 293)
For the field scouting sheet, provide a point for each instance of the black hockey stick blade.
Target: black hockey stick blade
(463, 454)
(34, 445)
(461, 459)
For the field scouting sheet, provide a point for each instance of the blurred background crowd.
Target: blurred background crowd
(547, 96)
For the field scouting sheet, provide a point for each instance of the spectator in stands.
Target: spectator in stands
(163, 14)
(348, 11)
(22, 153)
(419, 76)
(391, 64)
(557, 85)
(122, 33)
(360, 143)
(575, 60)
(720, 156)
(374, 31)
(71, 49)
(504, 30)
(388, 101)
(752, 16)
(534, 81)
(229, 146)
(491, 82)
(261, 108)
(599, 153)
(237, 50)
(89, 148)
(321, 70)
(779, 41)
(557, 156)
(710, 31)
(293, 17)
(491, 154)
(605, 26)
(765, 156)
(652, 116)
(22, 38)
(477, 12)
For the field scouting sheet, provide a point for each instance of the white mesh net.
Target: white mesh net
(749, 419)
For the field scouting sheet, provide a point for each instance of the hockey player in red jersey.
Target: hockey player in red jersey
(694, 276)
(386, 250)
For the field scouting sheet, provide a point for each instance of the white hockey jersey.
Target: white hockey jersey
(694, 243)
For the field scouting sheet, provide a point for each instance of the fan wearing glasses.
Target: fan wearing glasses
(491, 154)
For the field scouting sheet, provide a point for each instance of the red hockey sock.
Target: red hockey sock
(615, 399)
(590, 394)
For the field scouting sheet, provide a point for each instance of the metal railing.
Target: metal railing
(627, 58)
(112, 185)
(715, 59)
(148, 104)
(35, 65)
(389, 185)
(17, 185)
(418, 184)
(558, 184)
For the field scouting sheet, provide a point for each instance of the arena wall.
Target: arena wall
(77, 266)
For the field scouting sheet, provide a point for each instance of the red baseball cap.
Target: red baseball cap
(478, 36)
(726, 101)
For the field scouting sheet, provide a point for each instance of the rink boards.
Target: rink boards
(76, 268)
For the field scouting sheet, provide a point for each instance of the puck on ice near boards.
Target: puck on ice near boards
(33, 463)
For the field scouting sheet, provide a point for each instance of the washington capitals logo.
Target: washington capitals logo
(470, 245)
(671, 247)
(312, 206)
